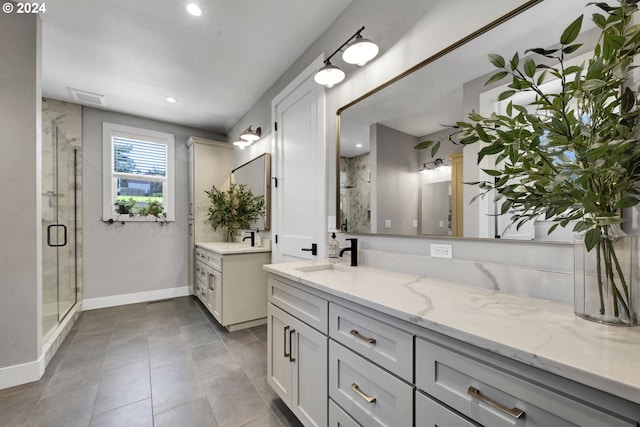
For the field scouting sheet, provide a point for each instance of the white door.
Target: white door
(300, 163)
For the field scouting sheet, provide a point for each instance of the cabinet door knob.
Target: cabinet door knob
(475, 393)
(369, 399)
(356, 334)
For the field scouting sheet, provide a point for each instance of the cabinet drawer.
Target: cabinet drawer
(214, 260)
(383, 344)
(339, 418)
(371, 395)
(486, 394)
(201, 272)
(309, 308)
(201, 255)
(430, 413)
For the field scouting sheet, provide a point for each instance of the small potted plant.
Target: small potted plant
(234, 209)
(155, 209)
(125, 206)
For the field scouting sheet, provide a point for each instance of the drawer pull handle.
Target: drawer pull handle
(515, 412)
(369, 399)
(286, 328)
(363, 338)
(291, 358)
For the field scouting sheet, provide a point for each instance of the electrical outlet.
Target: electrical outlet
(441, 251)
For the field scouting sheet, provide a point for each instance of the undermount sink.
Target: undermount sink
(322, 267)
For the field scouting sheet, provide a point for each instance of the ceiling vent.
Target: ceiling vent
(85, 97)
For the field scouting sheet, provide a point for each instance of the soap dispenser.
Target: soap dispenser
(258, 242)
(333, 249)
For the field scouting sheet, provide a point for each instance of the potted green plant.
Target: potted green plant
(576, 158)
(155, 209)
(234, 209)
(125, 206)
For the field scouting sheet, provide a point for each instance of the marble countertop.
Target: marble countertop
(537, 332)
(229, 248)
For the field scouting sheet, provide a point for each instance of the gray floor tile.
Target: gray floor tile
(166, 362)
(194, 414)
(134, 415)
(72, 408)
(122, 386)
(240, 337)
(174, 385)
(239, 409)
(268, 420)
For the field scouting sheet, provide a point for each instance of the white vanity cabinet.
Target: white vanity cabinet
(231, 283)
(297, 353)
(492, 391)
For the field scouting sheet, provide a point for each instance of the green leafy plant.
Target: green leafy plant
(234, 209)
(125, 206)
(155, 209)
(571, 156)
(130, 207)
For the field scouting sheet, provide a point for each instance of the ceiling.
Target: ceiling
(137, 53)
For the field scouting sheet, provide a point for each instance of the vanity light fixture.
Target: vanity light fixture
(248, 137)
(436, 164)
(358, 51)
(251, 135)
(194, 9)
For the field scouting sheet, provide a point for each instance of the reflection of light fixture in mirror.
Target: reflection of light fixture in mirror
(251, 135)
(241, 143)
(436, 164)
(358, 52)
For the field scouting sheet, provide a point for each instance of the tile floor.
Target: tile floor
(163, 363)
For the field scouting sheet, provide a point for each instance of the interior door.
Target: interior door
(300, 164)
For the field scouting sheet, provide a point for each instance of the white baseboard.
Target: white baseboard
(95, 303)
(21, 374)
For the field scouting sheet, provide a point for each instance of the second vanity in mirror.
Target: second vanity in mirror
(386, 186)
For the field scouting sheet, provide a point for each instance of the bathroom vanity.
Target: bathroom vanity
(230, 282)
(352, 346)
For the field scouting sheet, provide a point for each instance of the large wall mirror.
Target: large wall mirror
(385, 186)
(256, 175)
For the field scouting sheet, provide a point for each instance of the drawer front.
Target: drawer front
(493, 397)
(309, 308)
(383, 344)
(432, 414)
(339, 418)
(201, 255)
(201, 272)
(214, 261)
(370, 394)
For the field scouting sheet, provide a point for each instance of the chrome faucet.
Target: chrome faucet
(354, 251)
(252, 236)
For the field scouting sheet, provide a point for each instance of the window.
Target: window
(137, 164)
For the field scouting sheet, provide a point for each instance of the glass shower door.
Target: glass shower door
(59, 292)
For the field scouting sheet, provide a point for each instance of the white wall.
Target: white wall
(20, 174)
(135, 257)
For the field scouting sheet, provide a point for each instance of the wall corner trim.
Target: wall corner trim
(21, 374)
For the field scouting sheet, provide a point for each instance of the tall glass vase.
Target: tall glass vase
(605, 278)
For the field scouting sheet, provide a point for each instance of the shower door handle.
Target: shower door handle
(56, 245)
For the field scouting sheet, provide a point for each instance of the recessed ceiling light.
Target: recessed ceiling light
(171, 99)
(359, 145)
(194, 9)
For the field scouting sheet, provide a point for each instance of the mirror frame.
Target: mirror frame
(472, 36)
(267, 185)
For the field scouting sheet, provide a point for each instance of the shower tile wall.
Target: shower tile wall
(355, 192)
(68, 118)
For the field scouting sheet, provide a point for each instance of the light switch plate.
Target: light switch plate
(387, 223)
(331, 223)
